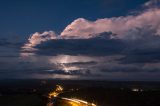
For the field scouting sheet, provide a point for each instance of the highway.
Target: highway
(77, 102)
(70, 102)
(55, 100)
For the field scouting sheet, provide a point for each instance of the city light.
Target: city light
(56, 92)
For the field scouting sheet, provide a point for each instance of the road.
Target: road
(71, 102)
(77, 102)
(55, 100)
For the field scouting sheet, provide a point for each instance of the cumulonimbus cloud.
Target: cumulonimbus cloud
(128, 58)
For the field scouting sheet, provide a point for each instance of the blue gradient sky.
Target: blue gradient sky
(21, 18)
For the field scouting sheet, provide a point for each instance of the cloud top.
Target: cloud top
(38, 38)
(152, 3)
(82, 28)
(122, 26)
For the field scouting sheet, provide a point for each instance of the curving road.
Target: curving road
(77, 102)
(71, 102)
(60, 101)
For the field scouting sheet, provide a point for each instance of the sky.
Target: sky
(80, 39)
(25, 17)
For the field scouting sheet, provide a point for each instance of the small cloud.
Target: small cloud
(69, 72)
(38, 38)
(152, 3)
(35, 39)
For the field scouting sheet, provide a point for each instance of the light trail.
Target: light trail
(70, 101)
(78, 101)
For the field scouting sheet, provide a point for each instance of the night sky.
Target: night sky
(25, 17)
(80, 39)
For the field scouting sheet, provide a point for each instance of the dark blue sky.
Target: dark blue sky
(23, 17)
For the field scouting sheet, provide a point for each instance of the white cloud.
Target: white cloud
(152, 3)
(79, 28)
(38, 38)
(123, 26)
(126, 27)
(82, 28)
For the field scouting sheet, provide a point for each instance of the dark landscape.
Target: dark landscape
(102, 93)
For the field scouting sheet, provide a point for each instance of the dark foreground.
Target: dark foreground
(101, 93)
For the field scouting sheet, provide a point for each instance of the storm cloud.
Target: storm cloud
(124, 47)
